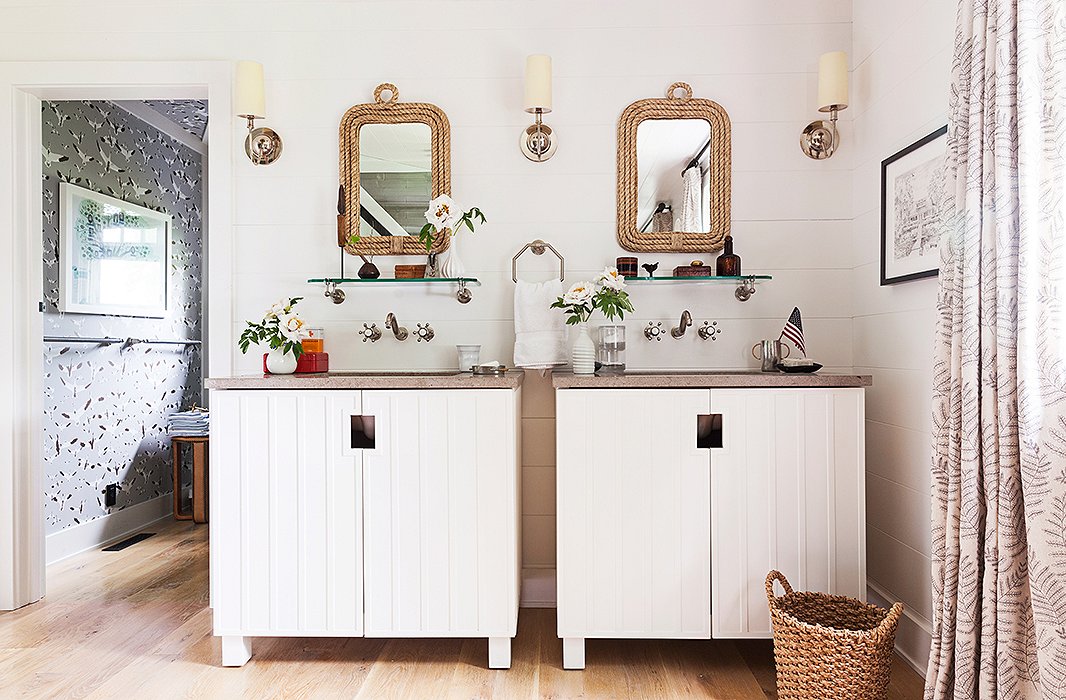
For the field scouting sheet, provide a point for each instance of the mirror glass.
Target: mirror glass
(115, 255)
(673, 182)
(395, 178)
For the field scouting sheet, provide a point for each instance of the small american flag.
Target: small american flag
(794, 330)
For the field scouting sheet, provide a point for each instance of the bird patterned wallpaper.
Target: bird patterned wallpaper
(190, 115)
(106, 406)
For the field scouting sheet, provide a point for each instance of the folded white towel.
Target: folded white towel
(540, 331)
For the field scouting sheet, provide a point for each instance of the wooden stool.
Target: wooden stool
(199, 478)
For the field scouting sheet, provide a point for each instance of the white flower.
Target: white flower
(292, 327)
(579, 295)
(611, 279)
(443, 213)
(276, 309)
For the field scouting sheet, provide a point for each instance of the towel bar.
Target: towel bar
(538, 247)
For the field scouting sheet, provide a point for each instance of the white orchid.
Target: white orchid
(443, 213)
(611, 279)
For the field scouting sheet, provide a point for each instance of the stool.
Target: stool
(199, 477)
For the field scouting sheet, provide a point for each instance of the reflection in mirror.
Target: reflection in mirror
(395, 178)
(673, 165)
(115, 255)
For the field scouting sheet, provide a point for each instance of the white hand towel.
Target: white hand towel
(691, 201)
(540, 331)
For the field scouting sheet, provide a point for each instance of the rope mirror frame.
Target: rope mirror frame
(389, 110)
(674, 106)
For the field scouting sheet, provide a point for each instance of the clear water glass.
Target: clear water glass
(611, 348)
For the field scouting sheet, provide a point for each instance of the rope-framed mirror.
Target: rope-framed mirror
(674, 174)
(394, 158)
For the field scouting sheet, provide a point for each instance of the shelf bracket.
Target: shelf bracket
(463, 296)
(745, 288)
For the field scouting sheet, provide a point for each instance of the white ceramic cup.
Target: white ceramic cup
(469, 355)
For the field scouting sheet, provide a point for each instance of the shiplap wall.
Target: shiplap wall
(791, 215)
(901, 57)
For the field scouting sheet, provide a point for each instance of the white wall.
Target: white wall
(901, 60)
(792, 216)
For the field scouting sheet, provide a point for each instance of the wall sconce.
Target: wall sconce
(820, 139)
(263, 145)
(538, 141)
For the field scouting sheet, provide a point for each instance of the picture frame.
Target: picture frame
(115, 257)
(912, 182)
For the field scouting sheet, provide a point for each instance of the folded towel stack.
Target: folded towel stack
(540, 331)
(194, 423)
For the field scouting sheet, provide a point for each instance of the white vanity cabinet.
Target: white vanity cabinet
(327, 523)
(664, 534)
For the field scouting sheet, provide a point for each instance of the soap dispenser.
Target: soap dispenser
(728, 264)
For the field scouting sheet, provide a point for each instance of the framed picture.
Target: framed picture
(912, 195)
(114, 256)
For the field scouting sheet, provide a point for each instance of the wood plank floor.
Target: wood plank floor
(135, 625)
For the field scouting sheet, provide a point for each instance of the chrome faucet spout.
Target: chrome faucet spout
(686, 321)
(397, 330)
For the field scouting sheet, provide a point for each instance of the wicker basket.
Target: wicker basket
(830, 646)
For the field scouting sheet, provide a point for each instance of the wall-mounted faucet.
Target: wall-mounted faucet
(686, 321)
(397, 330)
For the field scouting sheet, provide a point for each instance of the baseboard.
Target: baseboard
(538, 588)
(107, 529)
(919, 633)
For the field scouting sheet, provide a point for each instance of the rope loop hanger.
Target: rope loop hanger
(537, 247)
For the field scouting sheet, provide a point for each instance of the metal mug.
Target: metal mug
(770, 352)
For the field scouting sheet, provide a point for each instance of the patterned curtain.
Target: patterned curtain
(999, 415)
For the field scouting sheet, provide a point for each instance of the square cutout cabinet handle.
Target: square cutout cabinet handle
(363, 434)
(709, 430)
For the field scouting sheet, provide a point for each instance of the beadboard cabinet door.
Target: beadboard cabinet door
(633, 504)
(788, 493)
(286, 515)
(441, 493)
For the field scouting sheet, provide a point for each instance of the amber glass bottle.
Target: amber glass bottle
(728, 264)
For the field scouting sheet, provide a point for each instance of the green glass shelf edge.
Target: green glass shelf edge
(708, 278)
(472, 281)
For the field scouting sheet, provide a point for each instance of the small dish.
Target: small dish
(799, 369)
(490, 370)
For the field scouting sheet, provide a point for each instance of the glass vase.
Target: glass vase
(611, 348)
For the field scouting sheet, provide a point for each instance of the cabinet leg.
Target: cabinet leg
(236, 650)
(574, 653)
(499, 652)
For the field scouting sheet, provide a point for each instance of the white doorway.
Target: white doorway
(22, 88)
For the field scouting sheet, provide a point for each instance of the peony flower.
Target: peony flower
(292, 327)
(579, 295)
(276, 309)
(611, 279)
(443, 213)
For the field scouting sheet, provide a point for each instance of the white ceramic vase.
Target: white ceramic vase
(453, 266)
(583, 354)
(279, 362)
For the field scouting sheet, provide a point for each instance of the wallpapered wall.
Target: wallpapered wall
(106, 407)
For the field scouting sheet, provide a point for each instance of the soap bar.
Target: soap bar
(692, 271)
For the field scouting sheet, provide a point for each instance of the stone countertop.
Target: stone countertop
(680, 379)
(445, 379)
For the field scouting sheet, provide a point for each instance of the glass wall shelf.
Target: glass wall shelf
(745, 284)
(463, 294)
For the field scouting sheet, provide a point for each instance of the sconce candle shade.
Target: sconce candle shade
(249, 96)
(539, 83)
(833, 81)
